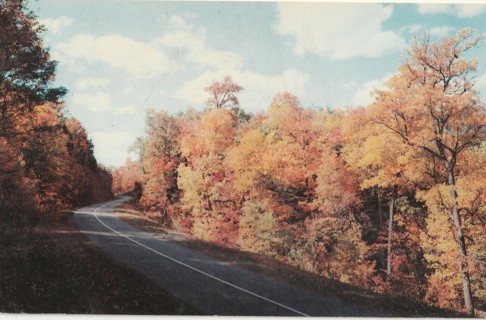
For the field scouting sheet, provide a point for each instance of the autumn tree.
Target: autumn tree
(58, 157)
(223, 94)
(26, 70)
(94, 180)
(203, 177)
(291, 155)
(333, 233)
(298, 196)
(259, 229)
(160, 157)
(439, 237)
(295, 141)
(391, 174)
(275, 163)
(127, 179)
(431, 105)
(46, 159)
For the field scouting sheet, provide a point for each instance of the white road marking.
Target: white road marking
(95, 211)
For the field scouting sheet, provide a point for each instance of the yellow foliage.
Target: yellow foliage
(212, 134)
(440, 248)
(246, 160)
(258, 229)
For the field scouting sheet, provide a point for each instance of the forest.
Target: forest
(389, 197)
(46, 158)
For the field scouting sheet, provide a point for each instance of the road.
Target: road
(214, 287)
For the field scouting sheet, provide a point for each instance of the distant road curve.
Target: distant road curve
(214, 287)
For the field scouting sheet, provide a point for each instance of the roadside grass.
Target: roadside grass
(54, 268)
(390, 306)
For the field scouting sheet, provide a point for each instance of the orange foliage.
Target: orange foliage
(304, 185)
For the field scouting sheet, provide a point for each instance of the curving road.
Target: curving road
(213, 287)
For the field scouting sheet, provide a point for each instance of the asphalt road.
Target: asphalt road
(214, 287)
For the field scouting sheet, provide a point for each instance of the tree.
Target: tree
(288, 165)
(291, 156)
(245, 160)
(334, 236)
(391, 172)
(128, 179)
(203, 177)
(258, 229)
(46, 159)
(47, 162)
(223, 94)
(439, 241)
(431, 105)
(160, 157)
(26, 70)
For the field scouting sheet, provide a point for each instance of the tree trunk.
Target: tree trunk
(381, 253)
(210, 206)
(380, 207)
(164, 215)
(390, 231)
(466, 282)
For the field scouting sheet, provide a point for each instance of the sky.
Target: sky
(119, 58)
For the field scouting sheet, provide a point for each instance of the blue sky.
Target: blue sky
(119, 58)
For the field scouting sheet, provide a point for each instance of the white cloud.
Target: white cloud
(129, 88)
(363, 95)
(441, 31)
(433, 8)
(341, 31)
(414, 28)
(435, 31)
(111, 147)
(470, 10)
(94, 102)
(55, 26)
(461, 10)
(125, 110)
(137, 58)
(85, 83)
(192, 44)
(258, 89)
(350, 84)
(481, 86)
